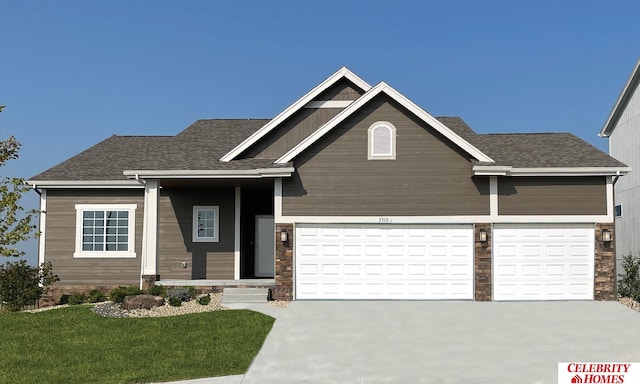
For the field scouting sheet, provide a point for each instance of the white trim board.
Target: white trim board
(328, 104)
(293, 108)
(487, 170)
(81, 184)
(209, 174)
(496, 219)
(382, 87)
(42, 226)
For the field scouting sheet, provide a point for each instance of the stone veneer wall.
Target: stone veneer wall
(284, 265)
(605, 265)
(482, 263)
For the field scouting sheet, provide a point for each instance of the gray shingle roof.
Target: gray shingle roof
(200, 146)
(533, 150)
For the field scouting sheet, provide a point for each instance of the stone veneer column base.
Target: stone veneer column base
(149, 281)
(604, 287)
(482, 263)
(284, 265)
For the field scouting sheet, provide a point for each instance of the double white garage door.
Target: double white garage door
(435, 262)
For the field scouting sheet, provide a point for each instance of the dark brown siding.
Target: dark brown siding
(61, 234)
(430, 176)
(204, 260)
(302, 124)
(552, 196)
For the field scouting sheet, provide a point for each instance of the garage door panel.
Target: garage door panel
(543, 262)
(384, 262)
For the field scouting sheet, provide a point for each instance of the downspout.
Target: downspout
(616, 178)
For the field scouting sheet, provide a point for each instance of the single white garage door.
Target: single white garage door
(543, 262)
(419, 262)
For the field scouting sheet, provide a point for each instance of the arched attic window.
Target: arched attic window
(382, 141)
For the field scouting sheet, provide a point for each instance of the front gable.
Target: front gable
(304, 121)
(315, 98)
(363, 101)
(429, 176)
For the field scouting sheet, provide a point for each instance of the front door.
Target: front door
(265, 244)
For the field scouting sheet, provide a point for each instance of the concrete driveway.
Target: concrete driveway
(441, 342)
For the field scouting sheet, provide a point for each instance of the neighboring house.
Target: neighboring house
(352, 192)
(623, 130)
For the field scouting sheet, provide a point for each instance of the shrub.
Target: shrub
(182, 294)
(22, 284)
(629, 282)
(76, 299)
(204, 300)
(118, 294)
(64, 299)
(158, 290)
(175, 301)
(96, 296)
(192, 292)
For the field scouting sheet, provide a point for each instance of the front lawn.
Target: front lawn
(74, 345)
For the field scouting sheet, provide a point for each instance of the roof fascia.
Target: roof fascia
(483, 170)
(209, 174)
(621, 102)
(343, 72)
(382, 87)
(82, 184)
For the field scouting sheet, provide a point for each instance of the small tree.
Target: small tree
(629, 282)
(15, 222)
(22, 284)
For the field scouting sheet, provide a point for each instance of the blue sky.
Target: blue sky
(72, 73)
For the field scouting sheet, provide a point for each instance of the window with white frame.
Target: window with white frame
(382, 141)
(105, 230)
(618, 210)
(205, 223)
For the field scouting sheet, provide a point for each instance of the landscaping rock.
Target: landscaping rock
(142, 302)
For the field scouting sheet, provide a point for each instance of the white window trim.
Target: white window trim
(216, 234)
(615, 214)
(372, 128)
(131, 253)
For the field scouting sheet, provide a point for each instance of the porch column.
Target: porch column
(150, 233)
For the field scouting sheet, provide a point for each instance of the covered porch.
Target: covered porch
(209, 232)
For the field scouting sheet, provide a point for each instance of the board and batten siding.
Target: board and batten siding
(60, 240)
(429, 177)
(302, 123)
(623, 145)
(204, 260)
(552, 195)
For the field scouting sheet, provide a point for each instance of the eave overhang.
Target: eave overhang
(83, 184)
(257, 173)
(488, 170)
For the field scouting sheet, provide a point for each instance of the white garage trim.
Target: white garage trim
(543, 262)
(382, 261)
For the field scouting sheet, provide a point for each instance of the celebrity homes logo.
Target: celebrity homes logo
(598, 373)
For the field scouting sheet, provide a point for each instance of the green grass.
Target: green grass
(74, 345)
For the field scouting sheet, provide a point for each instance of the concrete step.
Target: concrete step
(244, 295)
